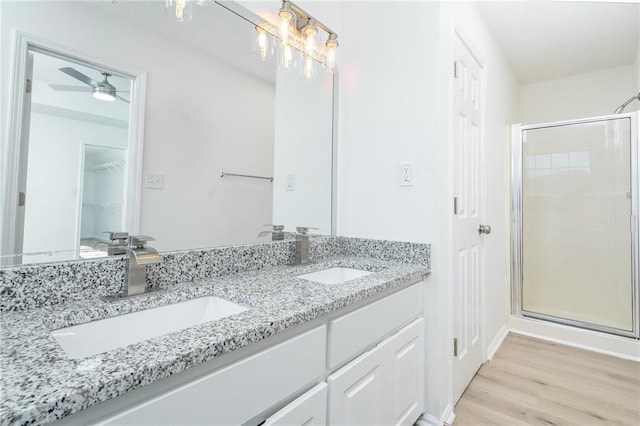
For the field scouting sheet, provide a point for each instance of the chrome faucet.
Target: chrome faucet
(135, 273)
(277, 233)
(118, 242)
(302, 244)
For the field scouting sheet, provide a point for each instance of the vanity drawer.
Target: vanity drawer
(237, 393)
(308, 410)
(350, 334)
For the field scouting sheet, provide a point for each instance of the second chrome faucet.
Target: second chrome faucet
(138, 257)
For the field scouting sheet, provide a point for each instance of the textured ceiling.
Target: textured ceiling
(545, 40)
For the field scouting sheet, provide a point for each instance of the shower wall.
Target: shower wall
(576, 234)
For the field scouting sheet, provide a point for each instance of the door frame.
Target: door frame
(23, 44)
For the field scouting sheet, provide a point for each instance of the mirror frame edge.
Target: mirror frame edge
(334, 156)
(22, 43)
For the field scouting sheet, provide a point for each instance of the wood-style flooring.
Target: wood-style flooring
(535, 382)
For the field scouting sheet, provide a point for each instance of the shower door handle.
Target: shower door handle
(484, 229)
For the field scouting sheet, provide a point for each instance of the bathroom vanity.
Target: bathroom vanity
(347, 352)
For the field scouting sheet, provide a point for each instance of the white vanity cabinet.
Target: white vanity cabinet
(356, 366)
(308, 410)
(356, 391)
(235, 394)
(384, 386)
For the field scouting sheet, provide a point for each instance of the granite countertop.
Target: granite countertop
(39, 384)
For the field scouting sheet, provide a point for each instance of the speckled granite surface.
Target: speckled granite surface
(34, 286)
(39, 384)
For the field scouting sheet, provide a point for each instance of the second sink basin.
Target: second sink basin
(95, 337)
(334, 276)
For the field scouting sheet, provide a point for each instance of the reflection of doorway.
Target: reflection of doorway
(63, 125)
(102, 205)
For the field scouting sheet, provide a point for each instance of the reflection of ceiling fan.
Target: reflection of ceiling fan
(102, 90)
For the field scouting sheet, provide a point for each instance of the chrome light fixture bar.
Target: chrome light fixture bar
(298, 29)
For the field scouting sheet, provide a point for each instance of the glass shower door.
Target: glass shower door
(577, 254)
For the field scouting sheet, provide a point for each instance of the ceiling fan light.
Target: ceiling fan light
(104, 93)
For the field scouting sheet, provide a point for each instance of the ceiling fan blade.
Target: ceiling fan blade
(72, 72)
(122, 99)
(69, 88)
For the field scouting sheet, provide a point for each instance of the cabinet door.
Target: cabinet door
(308, 410)
(357, 392)
(404, 364)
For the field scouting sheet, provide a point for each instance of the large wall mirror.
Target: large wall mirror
(193, 102)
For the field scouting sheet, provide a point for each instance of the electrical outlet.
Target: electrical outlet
(406, 174)
(153, 180)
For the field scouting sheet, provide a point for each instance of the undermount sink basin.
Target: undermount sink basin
(95, 337)
(334, 276)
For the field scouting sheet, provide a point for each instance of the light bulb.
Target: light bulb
(180, 9)
(308, 68)
(309, 32)
(286, 17)
(332, 45)
(287, 58)
(104, 94)
(262, 43)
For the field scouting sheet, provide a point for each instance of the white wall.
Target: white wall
(579, 96)
(187, 136)
(303, 151)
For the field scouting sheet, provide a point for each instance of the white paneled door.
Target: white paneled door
(467, 210)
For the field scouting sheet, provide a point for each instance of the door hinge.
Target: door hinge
(455, 69)
(455, 347)
(455, 205)
(21, 199)
(29, 86)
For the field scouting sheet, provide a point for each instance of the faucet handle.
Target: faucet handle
(114, 236)
(138, 241)
(276, 228)
(304, 229)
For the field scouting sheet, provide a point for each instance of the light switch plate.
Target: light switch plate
(153, 180)
(290, 182)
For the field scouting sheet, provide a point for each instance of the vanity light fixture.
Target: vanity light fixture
(297, 29)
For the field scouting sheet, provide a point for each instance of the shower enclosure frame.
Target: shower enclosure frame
(517, 222)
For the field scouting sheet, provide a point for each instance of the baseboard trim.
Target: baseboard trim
(448, 416)
(620, 347)
(428, 420)
(497, 342)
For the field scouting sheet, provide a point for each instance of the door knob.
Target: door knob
(484, 229)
